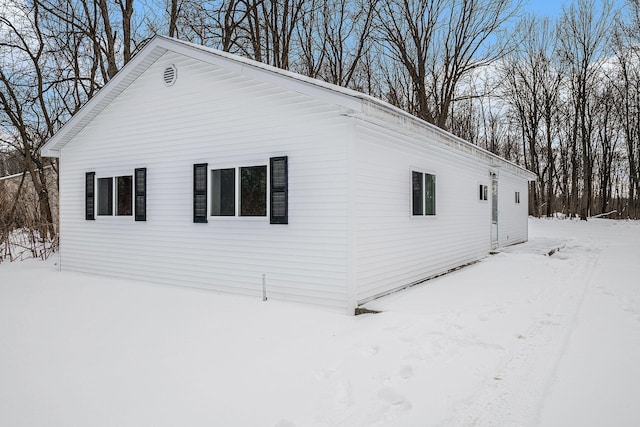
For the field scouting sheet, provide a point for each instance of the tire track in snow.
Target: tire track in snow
(515, 394)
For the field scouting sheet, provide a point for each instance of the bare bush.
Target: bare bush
(23, 233)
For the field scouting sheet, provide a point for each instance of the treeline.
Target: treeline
(559, 97)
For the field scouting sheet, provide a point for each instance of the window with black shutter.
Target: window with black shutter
(279, 190)
(200, 192)
(140, 177)
(89, 200)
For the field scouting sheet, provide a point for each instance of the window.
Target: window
(105, 196)
(89, 196)
(243, 191)
(223, 192)
(517, 197)
(130, 191)
(124, 195)
(141, 194)
(423, 193)
(484, 192)
(253, 191)
(429, 194)
(200, 193)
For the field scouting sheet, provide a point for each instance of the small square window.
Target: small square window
(484, 192)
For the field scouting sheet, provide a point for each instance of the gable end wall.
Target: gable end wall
(226, 119)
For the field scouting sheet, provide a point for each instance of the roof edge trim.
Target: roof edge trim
(394, 115)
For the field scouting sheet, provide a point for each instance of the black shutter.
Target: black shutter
(90, 200)
(279, 190)
(140, 183)
(200, 192)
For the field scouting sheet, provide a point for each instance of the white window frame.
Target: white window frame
(236, 167)
(424, 172)
(114, 195)
(485, 189)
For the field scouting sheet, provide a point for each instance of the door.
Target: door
(494, 211)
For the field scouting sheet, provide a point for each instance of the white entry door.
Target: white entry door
(494, 211)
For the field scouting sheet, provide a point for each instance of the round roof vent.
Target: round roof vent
(170, 75)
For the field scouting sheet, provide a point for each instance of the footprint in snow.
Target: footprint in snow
(393, 398)
(371, 350)
(406, 372)
(344, 394)
(324, 374)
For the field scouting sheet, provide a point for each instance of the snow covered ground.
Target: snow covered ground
(518, 339)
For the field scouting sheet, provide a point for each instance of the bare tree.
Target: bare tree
(346, 29)
(174, 15)
(218, 23)
(26, 114)
(627, 85)
(407, 28)
(55, 55)
(270, 28)
(531, 81)
(606, 135)
(439, 42)
(582, 35)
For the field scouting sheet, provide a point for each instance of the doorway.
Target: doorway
(494, 211)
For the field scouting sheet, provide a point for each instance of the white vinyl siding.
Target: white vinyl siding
(394, 248)
(214, 116)
(512, 224)
(338, 227)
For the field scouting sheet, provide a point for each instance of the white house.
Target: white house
(196, 167)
